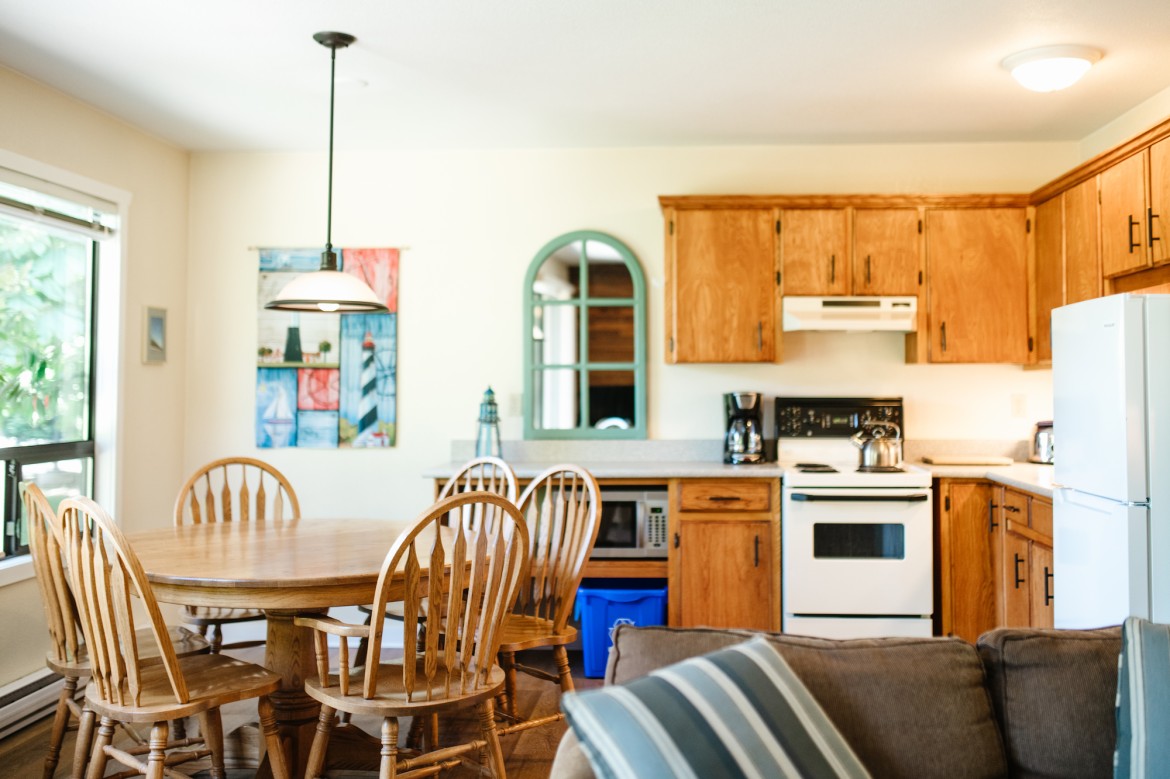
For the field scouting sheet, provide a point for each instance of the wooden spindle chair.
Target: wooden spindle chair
(469, 583)
(561, 508)
(67, 653)
(108, 583)
(233, 489)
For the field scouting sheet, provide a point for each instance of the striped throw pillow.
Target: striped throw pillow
(737, 712)
(1143, 701)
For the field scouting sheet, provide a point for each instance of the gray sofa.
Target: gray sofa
(1020, 703)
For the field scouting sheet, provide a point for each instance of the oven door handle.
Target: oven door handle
(809, 498)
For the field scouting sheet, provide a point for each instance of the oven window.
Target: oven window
(619, 525)
(861, 541)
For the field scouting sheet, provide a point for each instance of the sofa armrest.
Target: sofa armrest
(639, 650)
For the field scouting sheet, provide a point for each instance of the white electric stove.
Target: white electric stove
(857, 551)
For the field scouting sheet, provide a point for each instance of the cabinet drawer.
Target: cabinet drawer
(1042, 517)
(725, 495)
(1015, 506)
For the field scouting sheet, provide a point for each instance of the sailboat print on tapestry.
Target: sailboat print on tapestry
(327, 380)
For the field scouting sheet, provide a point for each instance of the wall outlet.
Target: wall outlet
(1019, 404)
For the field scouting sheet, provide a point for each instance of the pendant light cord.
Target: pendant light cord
(329, 197)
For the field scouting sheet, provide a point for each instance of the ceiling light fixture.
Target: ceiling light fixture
(1050, 68)
(329, 289)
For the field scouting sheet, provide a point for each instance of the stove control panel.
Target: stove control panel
(834, 417)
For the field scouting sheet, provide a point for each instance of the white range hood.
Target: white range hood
(857, 314)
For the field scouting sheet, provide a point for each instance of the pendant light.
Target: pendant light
(328, 289)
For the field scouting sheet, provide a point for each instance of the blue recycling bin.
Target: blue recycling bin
(603, 604)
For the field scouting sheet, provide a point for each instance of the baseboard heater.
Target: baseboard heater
(27, 700)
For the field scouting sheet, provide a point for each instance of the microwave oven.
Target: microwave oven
(633, 524)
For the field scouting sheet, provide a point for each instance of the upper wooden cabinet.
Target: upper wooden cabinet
(1048, 272)
(977, 284)
(1124, 217)
(814, 251)
(851, 251)
(721, 285)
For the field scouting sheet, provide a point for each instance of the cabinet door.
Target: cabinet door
(886, 251)
(1082, 252)
(1016, 586)
(968, 586)
(1123, 216)
(1041, 573)
(1049, 274)
(1157, 227)
(721, 287)
(726, 573)
(814, 250)
(977, 277)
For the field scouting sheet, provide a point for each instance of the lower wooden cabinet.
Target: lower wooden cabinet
(724, 565)
(1027, 576)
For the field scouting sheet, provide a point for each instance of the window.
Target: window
(585, 340)
(49, 247)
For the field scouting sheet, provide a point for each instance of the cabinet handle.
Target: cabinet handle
(833, 269)
(1048, 596)
(723, 498)
(942, 331)
(757, 551)
(676, 540)
(1150, 217)
(1019, 581)
(1012, 509)
(759, 336)
(867, 270)
(1132, 243)
(991, 523)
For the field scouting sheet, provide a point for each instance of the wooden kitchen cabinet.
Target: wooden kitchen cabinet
(965, 596)
(1067, 265)
(977, 285)
(724, 564)
(721, 285)
(814, 251)
(851, 251)
(1048, 272)
(1027, 572)
(1134, 194)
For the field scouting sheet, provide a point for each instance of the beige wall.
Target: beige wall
(49, 128)
(474, 220)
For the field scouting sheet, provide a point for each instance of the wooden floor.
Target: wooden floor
(527, 755)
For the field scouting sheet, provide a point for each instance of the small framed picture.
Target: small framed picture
(154, 336)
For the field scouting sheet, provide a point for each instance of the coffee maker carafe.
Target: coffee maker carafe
(744, 441)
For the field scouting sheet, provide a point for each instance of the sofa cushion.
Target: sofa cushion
(736, 712)
(908, 707)
(1053, 692)
(1143, 707)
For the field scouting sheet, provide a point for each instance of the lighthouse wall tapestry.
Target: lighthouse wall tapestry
(327, 380)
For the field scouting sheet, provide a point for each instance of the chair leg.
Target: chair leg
(562, 657)
(97, 756)
(211, 729)
(81, 750)
(316, 761)
(179, 729)
(388, 769)
(156, 761)
(215, 638)
(276, 757)
(487, 723)
(60, 724)
(508, 663)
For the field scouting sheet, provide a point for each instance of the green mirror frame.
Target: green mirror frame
(583, 302)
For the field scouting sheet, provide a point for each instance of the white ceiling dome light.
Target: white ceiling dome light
(1050, 68)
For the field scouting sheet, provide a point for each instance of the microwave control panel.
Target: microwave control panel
(834, 417)
(655, 524)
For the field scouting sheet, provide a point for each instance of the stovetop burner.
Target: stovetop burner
(815, 468)
(880, 469)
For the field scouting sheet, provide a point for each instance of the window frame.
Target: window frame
(583, 302)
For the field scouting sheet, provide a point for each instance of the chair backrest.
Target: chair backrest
(106, 577)
(483, 474)
(484, 565)
(561, 508)
(236, 489)
(44, 543)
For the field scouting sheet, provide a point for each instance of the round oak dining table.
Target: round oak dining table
(287, 568)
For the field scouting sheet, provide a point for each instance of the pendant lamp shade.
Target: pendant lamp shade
(328, 289)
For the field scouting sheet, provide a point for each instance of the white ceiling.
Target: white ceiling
(246, 74)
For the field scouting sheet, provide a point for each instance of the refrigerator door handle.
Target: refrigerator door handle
(1138, 504)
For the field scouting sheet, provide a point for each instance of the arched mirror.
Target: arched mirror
(585, 340)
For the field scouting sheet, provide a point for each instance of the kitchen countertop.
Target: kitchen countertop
(1030, 477)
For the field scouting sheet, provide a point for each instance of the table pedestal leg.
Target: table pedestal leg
(289, 652)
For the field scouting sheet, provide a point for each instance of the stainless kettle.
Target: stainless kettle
(879, 450)
(1043, 444)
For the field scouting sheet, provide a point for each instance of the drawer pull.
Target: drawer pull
(758, 553)
(1048, 596)
(1019, 580)
(724, 498)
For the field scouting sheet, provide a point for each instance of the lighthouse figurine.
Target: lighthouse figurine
(487, 441)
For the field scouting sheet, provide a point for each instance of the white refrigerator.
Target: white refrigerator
(1111, 430)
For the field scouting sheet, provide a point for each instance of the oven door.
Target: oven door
(857, 551)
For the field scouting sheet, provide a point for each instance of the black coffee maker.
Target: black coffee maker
(744, 440)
